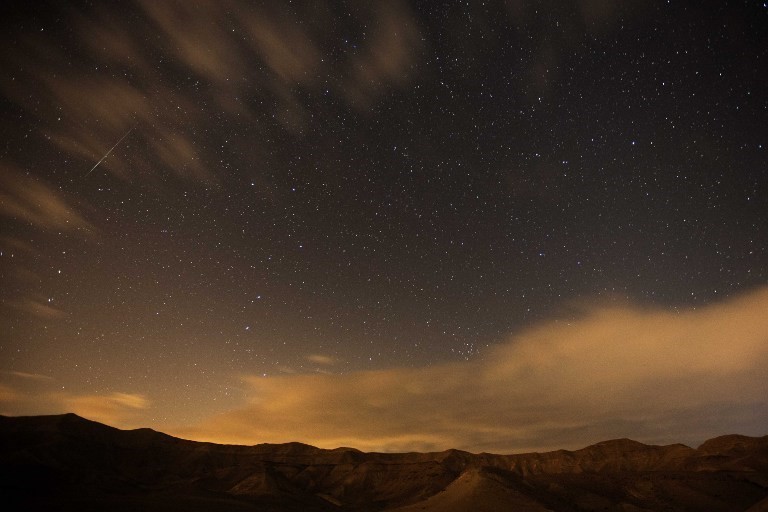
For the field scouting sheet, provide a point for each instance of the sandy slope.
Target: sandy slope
(475, 490)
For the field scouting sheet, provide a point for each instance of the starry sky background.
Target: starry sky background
(393, 225)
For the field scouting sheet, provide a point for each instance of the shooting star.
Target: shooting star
(108, 152)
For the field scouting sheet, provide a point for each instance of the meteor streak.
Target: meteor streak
(108, 152)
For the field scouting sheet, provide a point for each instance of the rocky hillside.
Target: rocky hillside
(70, 463)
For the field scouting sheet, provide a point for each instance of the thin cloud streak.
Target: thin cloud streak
(37, 308)
(614, 372)
(32, 376)
(321, 359)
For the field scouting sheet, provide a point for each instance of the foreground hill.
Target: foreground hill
(70, 463)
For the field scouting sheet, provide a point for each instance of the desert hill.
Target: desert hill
(69, 463)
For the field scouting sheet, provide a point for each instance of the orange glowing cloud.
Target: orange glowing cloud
(113, 409)
(33, 393)
(612, 372)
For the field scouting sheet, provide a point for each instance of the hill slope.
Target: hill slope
(70, 463)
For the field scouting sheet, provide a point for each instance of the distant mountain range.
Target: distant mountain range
(69, 463)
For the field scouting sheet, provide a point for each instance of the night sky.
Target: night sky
(393, 225)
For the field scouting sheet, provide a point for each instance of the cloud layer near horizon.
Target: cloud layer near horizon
(653, 375)
(650, 374)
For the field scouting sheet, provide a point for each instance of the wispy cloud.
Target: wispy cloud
(113, 409)
(29, 199)
(390, 57)
(31, 376)
(321, 359)
(36, 308)
(651, 374)
(27, 393)
(233, 54)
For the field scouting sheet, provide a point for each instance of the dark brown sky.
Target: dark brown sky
(393, 225)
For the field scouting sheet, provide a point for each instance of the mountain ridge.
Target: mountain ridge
(72, 463)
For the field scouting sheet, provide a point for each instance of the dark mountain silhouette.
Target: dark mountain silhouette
(70, 463)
